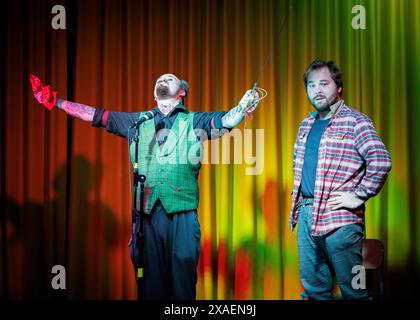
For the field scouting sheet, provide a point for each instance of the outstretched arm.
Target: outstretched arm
(76, 110)
(48, 98)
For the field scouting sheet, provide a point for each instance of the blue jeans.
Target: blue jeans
(323, 257)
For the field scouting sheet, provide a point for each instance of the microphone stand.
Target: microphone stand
(137, 220)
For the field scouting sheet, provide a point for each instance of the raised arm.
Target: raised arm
(247, 104)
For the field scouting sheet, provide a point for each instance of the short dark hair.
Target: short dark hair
(317, 64)
(184, 85)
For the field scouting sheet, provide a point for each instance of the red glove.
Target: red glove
(42, 93)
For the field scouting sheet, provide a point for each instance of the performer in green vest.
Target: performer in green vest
(169, 154)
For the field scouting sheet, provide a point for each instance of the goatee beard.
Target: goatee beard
(325, 106)
(162, 92)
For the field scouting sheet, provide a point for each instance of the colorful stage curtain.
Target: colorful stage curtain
(218, 47)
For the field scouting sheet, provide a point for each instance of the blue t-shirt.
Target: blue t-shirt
(311, 157)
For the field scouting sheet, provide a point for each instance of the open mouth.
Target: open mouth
(162, 90)
(319, 98)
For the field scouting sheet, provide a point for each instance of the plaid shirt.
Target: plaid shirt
(351, 158)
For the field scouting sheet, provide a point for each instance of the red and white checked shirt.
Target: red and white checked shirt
(351, 157)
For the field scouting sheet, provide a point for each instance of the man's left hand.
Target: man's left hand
(341, 199)
(255, 99)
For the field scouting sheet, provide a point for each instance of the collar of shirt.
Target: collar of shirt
(334, 110)
(171, 115)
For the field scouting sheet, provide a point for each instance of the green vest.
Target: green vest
(172, 169)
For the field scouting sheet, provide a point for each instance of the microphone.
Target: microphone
(146, 116)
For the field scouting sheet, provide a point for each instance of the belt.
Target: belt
(304, 202)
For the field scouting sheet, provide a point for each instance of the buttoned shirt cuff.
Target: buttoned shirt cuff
(97, 117)
(361, 193)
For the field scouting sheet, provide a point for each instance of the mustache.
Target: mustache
(319, 96)
(162, 89)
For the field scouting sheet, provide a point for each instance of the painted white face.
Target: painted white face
(321, 89)
(166, 87)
